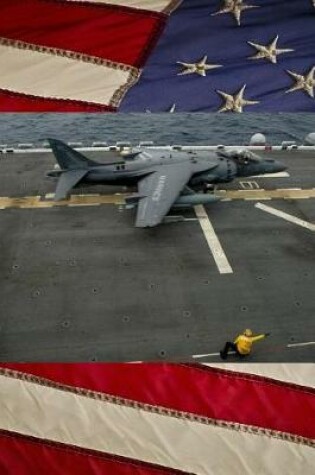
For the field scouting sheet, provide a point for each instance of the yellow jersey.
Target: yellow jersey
(244, 343)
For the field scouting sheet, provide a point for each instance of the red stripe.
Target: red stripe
(23, 455)
(118, 34)
(16, 102)
(209, 392)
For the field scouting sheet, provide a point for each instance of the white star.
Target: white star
(235, 103)
(201, 67)
(236, 7)
(305, 83)
(269, 52)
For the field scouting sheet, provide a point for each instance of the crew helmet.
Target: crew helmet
(248, 332)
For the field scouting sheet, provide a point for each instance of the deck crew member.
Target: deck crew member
(242, 345)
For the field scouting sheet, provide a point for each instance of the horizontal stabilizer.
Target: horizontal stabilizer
(67, 181)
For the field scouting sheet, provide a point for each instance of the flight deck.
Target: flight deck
(78, 282)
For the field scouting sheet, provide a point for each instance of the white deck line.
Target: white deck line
(213, 241)
(308, 343)
(286, 216)
(204, 356)
(271, 175)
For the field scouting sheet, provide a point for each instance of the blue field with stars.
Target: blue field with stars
(231, 56)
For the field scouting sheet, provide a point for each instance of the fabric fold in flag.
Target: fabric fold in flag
(60, 76)
(34, 456)
(165, 6)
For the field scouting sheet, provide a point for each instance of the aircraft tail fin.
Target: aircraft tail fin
(68, 158)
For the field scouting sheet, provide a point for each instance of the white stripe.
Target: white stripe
(213, 241)
(308, 343)
(286, 216)
(47, 75)
(151, 5)
(64, 417)
(290, 189)
(271, 175)
(296, 373)
(211, 354)
(206, 354)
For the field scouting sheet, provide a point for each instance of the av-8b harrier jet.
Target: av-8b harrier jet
(165, 179)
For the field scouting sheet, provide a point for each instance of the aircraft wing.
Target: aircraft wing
(159, 191)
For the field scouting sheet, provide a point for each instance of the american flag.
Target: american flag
(157, 55)
(145, 419)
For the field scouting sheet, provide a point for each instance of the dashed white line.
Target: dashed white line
(290, 345)
(204, 356)
(286, 216)
(213, 241)
(308, 343)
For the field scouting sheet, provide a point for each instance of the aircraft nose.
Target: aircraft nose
(279, 167)
(274, 166)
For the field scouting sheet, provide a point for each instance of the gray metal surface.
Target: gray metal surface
(81, 283)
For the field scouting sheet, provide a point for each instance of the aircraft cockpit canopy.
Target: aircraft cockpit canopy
(241, 156)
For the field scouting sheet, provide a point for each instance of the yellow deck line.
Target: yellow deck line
(261, 194)
(27, 202)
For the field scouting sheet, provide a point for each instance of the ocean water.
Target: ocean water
(163, 129)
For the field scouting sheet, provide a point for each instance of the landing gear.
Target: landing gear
(206, 188)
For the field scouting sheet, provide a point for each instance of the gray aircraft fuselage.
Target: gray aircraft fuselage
(208, 167)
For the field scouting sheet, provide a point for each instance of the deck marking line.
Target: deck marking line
(290, 189)
(255, 198)
(208, 354)
(72, 205)
(213, 241)
(249, 185)
(308, 343)
(291, 345)
(271, 175)
(86, 194)
(212, 354)
(286, 216)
